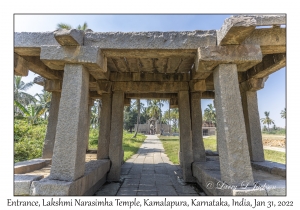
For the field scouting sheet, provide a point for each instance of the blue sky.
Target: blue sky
(271, 98)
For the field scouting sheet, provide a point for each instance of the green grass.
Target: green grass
(171, 146)
(130, 145)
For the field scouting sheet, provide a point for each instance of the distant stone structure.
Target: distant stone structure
(152, 127)
(228, 65)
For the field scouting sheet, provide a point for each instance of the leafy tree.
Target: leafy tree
(138, 106)
(267, 120)
(210, 114)
(68, 26)
(130, 116)
(44, 100)
(32, 111)
(174, 115)
(283, 113)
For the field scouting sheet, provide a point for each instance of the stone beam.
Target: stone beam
(268, 20)
(127, 101)
(245, 56)
(197, 85)
(55, 57)
(271, 40)
(53, 85)
(173, 103)
(208, 95)
(151, 95)
(73, 37)
(148, 77)
(20, 66)
(235, 29)
(103, 87)
(253, 84)
(37, 66)
(93, 85)
(269, 65)
(29, 43)
(151, 40)
(150, 87)
(39, 80)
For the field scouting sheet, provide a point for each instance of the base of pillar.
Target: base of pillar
(208, 177)
(94, 177)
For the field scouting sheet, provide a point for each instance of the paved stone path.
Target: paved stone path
(148, 173)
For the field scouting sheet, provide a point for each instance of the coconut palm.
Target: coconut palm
(68, 27)
(44, 100)
(283, 113)
(267, 120)
(210, 114)
(32, 111)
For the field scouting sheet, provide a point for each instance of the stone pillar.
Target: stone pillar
(51, 127)
(197, 135)
(185, 135)
(116, 136)
(104, 130)
(68, 162)
(252, 122)
(235, 163)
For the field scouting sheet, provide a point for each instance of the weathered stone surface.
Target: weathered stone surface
(151, 40)
(245, 56)
(151, 95)
(69, 149)
(274, 187)
(104, 131)
(232, 140)
(20, 66)
(29, 43)
(252, 123)
(51, 126)
(127, 101)
(30, 165)
(92, 58)
(148, 77)
(22, 183)
(253, 84)
(53, 85)
(235, 29)
(196, 116)
(208, 95)
(69, 37)
(37, 66)
(173, 102)
(148, 87)
(186, 142)
(197, 85)
(271, 167)
(269, 65)
(268, 20)
(116, 136)
(271, 40)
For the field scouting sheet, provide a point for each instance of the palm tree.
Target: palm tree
(68, 27)
(210, 114)
(153, 108)
(267, 120)
(44, 101)
(137, 104)
(19, 93)
(32, 112)
(283, 113)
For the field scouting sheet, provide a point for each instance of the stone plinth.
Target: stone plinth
(23, 182)
(232, 140)
(70, 145)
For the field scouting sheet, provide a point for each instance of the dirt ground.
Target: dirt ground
(274, 140)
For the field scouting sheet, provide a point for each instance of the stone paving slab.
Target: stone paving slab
(150, 173)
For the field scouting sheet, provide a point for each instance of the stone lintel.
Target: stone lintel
(173, 103)
(197, 85)
(148, 77)
(95, 95)
(55, 57)
(235, 30)
(150, 87)
(37, 66)
(268, 20)
(104, 87)
(91, 102)
(151, 95)
(53, 85)
(253, 84)
(72, 37)
(271, 40)
(269, 65)
(245, 56)
(127, 101)
(208, 95)
(20, 66)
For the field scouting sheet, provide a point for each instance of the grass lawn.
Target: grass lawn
(130, 145)
(171, 146)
